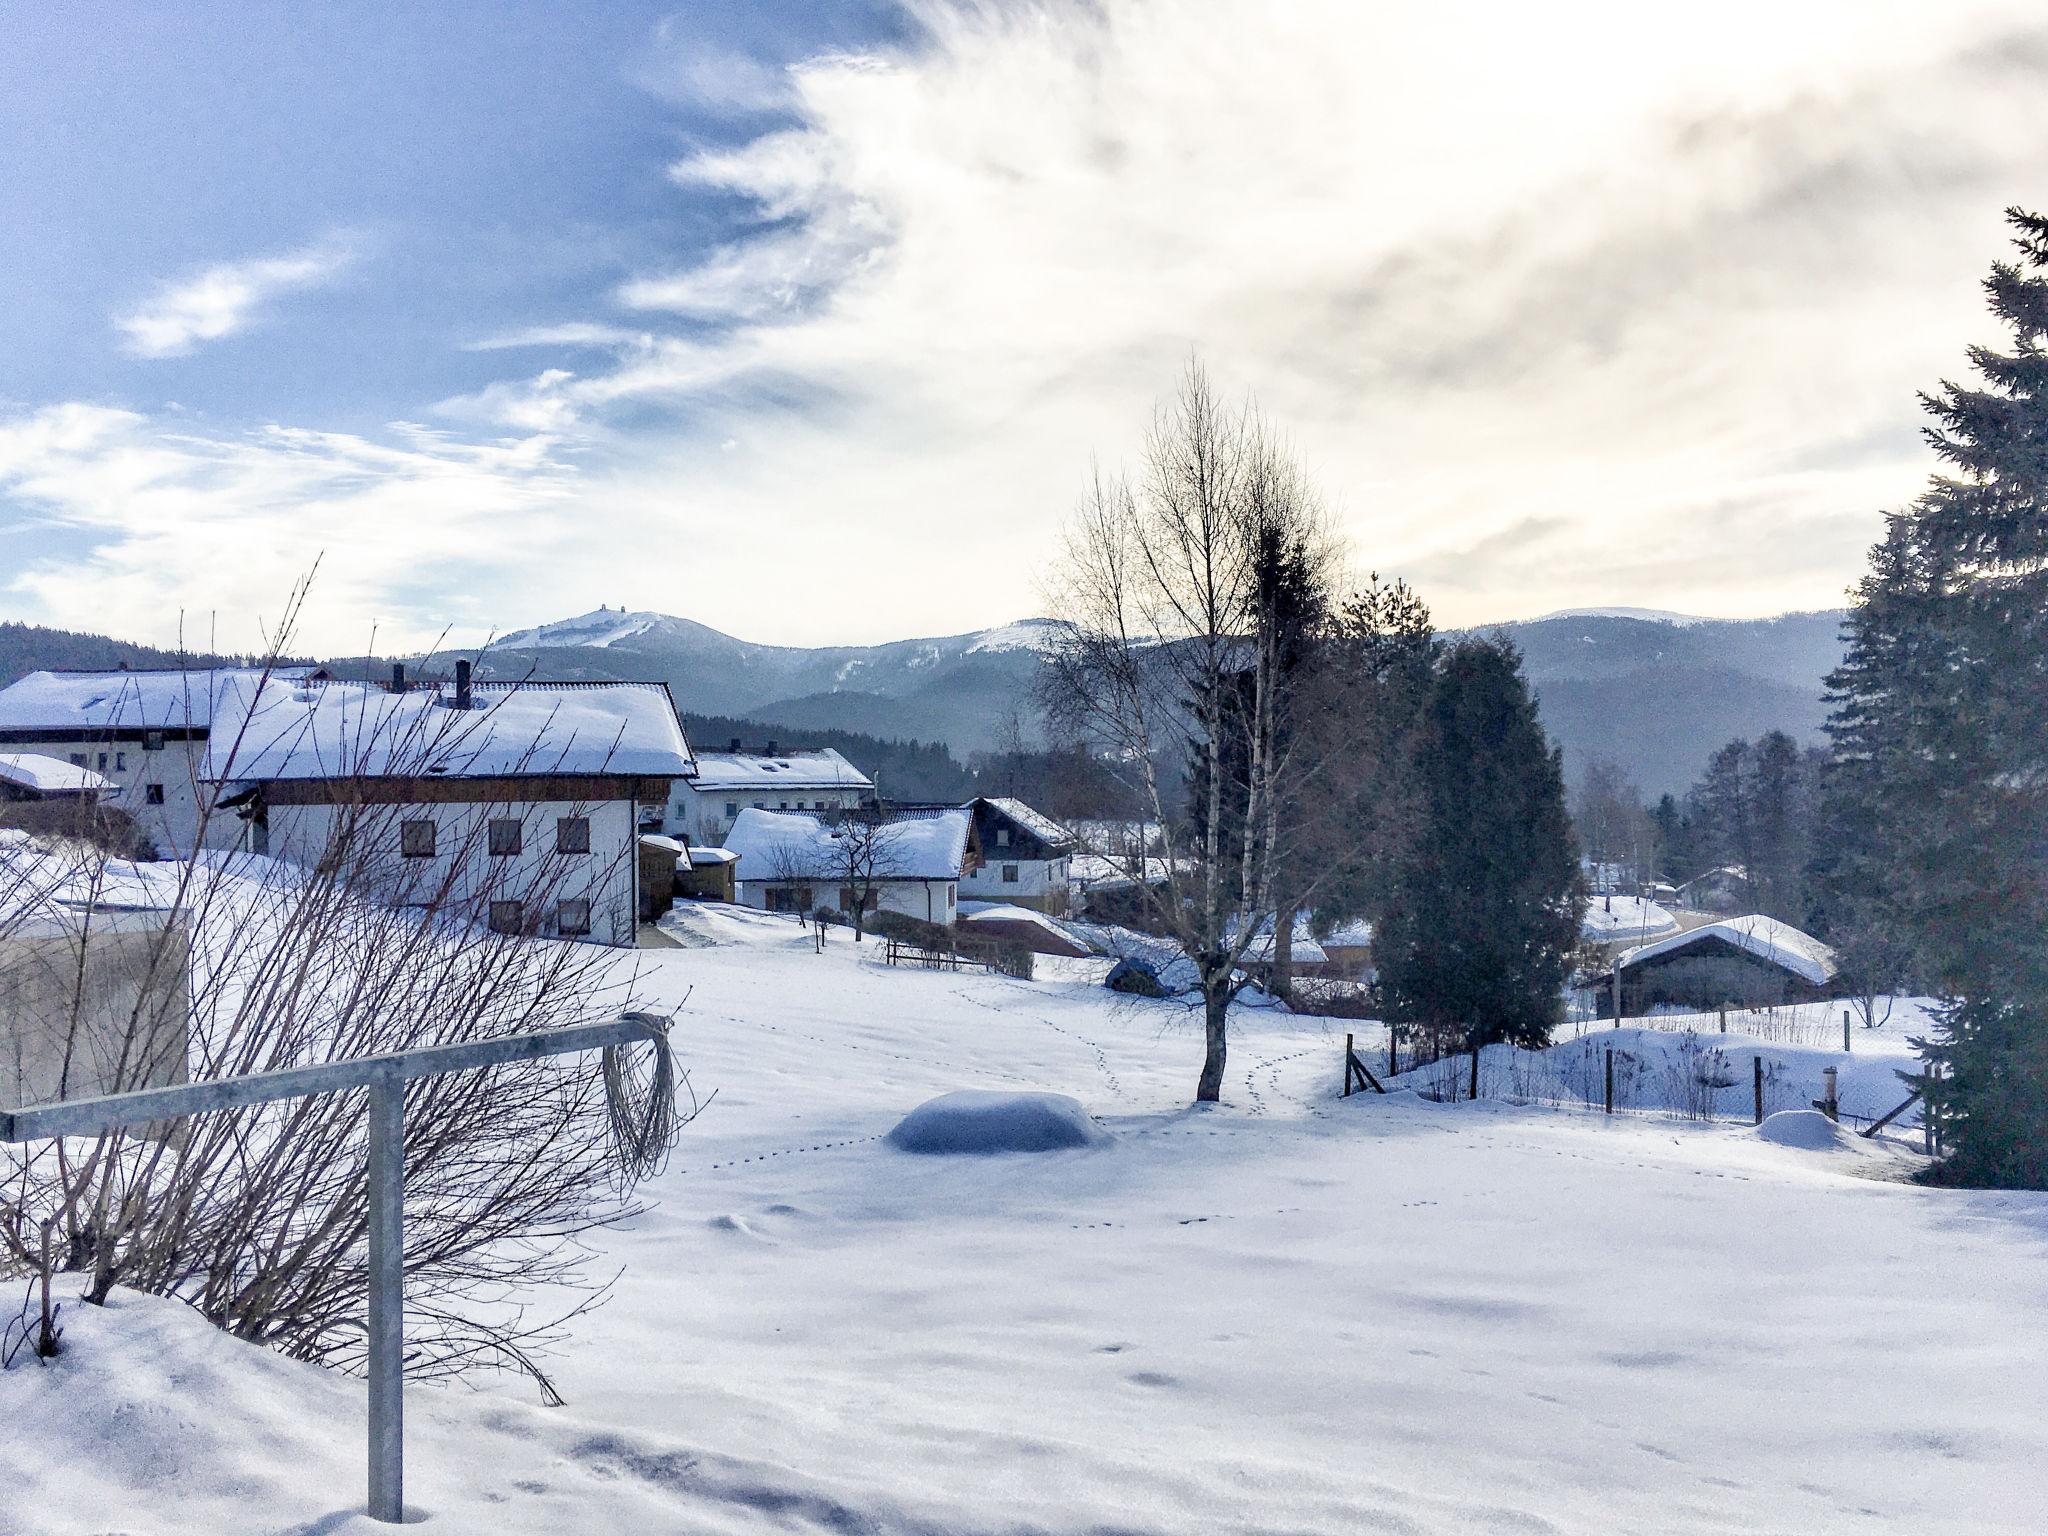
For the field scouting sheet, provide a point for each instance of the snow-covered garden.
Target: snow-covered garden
(1289, 1312)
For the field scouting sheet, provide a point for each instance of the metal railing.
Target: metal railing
(385, 1077)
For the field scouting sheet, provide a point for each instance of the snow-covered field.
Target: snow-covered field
(1290, 1313)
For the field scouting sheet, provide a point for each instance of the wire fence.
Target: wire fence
(1817, 1024)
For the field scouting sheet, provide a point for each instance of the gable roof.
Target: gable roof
(1766, 938)
(822, 768)
(280, 728)
(779, 845)
(1037, 823)
(86, 702)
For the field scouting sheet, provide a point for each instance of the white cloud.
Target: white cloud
(225, 298)
(201, 538)
(1631, 278)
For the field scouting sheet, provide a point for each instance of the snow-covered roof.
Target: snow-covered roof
(1612, 918)
(286, 729)
(86, 702)
(665, 844)
(1037, 823)
(1765, 937)
(49, 775)
(699, 857)
(779, 845)
(820, 769)
(1355, 933)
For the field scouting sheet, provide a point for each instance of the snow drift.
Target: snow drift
(1807, 1129)
(975, 1121)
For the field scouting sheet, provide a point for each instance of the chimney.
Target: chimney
(735, 744)
(398, 677)
(771, 749)
(462, 698)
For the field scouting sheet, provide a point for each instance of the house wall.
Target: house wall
(463, 872)
(132, 766)
(1706, 975)
(1041, 884)
(704, 815)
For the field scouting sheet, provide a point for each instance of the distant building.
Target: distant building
(1718, 890)
(1026, 857)
(702, 808)
(801, 861)
(1739, 962)
(32, 776)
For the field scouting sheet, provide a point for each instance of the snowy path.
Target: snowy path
(1289, 1313)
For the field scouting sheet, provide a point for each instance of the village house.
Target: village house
(702, 808)
(1027, 857)
(910, 862)
(513, 805)
(143, 732)
(1718, 890)
(1743, 962)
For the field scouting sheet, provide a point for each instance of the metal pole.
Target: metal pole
(387, 1298)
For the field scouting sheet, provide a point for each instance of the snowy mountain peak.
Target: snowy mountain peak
(604, 627)
(1646, 615)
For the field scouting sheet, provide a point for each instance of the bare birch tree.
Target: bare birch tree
(1184, 596)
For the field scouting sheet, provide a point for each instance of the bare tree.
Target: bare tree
(1174, 662)
(862, 850)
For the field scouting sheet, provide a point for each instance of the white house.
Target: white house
(144, 732)
(703, 807)
(35, 776)
(1026, 857)
(517, 805)
(910, 863)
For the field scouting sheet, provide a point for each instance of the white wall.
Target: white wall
(172, 826)
(464, 871)
(702, 817)
(1035, 878)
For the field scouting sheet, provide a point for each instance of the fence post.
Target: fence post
(387, 1298)
(1724, 1018)
(1610, 1081)
(1846, 1047)
(1347, 1067)
(1393, 1051)
(1617, 991)
(1830, 1103)
(1757, 1062)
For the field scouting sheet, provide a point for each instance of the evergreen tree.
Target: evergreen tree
(1939, 792)
(1484, 913)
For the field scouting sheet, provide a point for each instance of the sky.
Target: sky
(811, 321)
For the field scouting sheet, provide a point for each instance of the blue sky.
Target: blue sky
(808, 320)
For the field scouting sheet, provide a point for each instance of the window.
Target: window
(760, 805)
(416, 839)
(507, 916)
(732, 809)
(1002, 837)
(505, 835)
(153, 793)
(572, 834)
(120, 762)
(78, 759)
(783, 806)
(1009, 874)
(572, 917)
(152, 741)
(103, 762)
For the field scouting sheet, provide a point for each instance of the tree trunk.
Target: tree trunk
(1216, 1009)
(1283, 954)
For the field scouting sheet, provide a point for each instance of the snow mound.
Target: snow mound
(976, 1121)
(1807, 1129)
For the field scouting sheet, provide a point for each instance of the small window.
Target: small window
(572, 917)
(507, 916)
(1002, 837)
(120, 762)
(153, 793)
(103, 762)
(572, 834)
(732, 809)
(416, 839)
(1009, 874)
(760, 805)
(152, 741)
(78, 759)
(505, 835)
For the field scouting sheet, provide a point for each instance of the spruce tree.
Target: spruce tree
(1941, 736)
(1478, 931)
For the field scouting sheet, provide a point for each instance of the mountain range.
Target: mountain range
(1653, 692)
